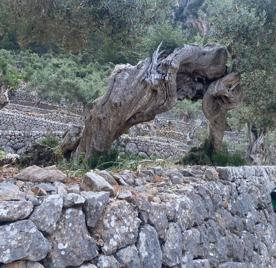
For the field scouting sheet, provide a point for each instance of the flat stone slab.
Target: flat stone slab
(15, 210)
(38, 174)
(46, 215)
(22, 240)
(9, 191)
(71, 242)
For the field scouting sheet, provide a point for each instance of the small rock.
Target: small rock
(107, 262)
(211, 174)
(60, 188)
(200, 264)
(94, 206)
(176, 179)
(73, 188)
(119, 226)
(9, 191)
(71, 242)
(94, 182)
(47, 187)
(172, 249)
(129, 257)
(38, 174)
(125, 195)
(88, 265)
(21, 240)
(149, 247)
(46, 215)
(15, 210)
(73, 199)
(38, 191)
(107, 176)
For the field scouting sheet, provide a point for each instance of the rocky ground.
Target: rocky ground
(157, 216)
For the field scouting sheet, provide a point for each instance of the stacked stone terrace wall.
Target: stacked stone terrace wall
(20, 141)
(182, 217)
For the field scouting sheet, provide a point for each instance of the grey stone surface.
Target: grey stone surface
(73, 199)
(38, 174)
(119, 226)
(46, 215)
(23, 264)
(129, 257)
(15, 210)
(158, 218)
(107, 262)
(172, 249)
(149, 247)
(71, 242)
(94, 206)
(95, 182)
(9, 191)
(22, 240)
(227, 221)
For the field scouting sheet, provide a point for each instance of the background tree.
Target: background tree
(247, 28)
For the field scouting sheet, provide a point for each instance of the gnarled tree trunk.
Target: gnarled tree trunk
(222, 95)
(257, 151)
(138, 93)
(4, 97)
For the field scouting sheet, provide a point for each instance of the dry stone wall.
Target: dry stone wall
(186, 217)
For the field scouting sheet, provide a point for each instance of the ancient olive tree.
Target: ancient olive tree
(138, 93)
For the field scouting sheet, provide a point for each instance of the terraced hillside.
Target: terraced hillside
(24, 122)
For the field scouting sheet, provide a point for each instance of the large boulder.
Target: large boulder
(129, 257)
(9, 191)
(149, 247)
(15, 210)
(46, 215)
(71, 242)
(95, 182)
(22, 241)
(172, 249)
(38, 174)
(119, 226)
(94, 206)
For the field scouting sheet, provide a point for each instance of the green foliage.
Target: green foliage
(50, 141)
(205, 155)
(2, 154)
(10, 75)
(227, 159)
(247, 28)
(170, 35)
(103, 160)
(187, 109)
(67, 77)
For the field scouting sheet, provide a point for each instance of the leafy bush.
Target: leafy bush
(50, 141)
(2, 154)
(103, 160)
(170, 36)
(204, 155)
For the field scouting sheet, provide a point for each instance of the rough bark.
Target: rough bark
(138, 93)
(4, 98)
(257, 151)
(222, 95)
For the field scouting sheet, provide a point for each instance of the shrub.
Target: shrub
(204, 155)
(103, 160)
(50, 141)
(2, 154)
